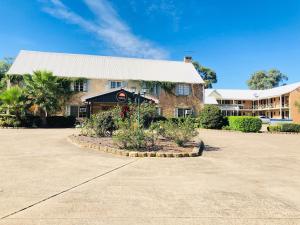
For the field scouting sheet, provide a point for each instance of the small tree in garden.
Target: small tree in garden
(211, 117)
(100, 125)
(180, 132)
(131, 133)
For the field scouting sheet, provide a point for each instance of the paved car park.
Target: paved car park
(241, 179)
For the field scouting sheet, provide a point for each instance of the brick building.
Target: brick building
(277, 103)
(106, 77)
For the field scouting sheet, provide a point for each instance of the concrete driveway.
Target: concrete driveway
(241, 179)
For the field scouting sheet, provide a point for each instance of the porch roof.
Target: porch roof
(111, 97)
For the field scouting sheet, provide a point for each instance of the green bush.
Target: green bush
(274, 128)
(100, 125)
(9, 121)
(285, 127)
(61, 121)
(31, 121)
(181, 131)
(290, 127)
(211, 117)
(133, 138)
(245, 123)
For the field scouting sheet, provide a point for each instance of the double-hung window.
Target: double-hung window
(80, 86)
(183, 89)
(115, 84)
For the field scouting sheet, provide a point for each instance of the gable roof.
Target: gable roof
(235, 94)
(104, 67)
(114, 91)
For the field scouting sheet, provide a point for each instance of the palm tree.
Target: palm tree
(42, 89)
(12, 100)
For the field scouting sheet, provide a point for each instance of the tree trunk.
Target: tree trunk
(44, 115)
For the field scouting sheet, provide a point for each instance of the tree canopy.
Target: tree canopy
(42, 89)
(208, 75)
(12, 100)
(261, 80)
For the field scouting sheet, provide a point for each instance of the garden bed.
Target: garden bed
(163, 147)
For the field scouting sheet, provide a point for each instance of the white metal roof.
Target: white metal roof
(104, 67)
(234, 94)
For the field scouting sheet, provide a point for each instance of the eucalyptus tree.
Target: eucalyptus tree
(261, 80)
(208, 75)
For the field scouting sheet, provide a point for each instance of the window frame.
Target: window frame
(115, 82)
(79, 113)
(183, 89)
(80, 86)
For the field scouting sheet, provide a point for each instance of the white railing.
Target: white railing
(255, 107)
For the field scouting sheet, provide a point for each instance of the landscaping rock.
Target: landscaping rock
(88, 142)
(151, 154)
(133, 154)
(142, 154)
(160, 154)
(169, 155)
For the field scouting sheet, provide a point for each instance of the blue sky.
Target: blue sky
(233, 37)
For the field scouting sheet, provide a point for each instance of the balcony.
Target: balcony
(232, 107)
(235, 107)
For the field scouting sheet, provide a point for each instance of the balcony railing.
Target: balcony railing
(255, 107)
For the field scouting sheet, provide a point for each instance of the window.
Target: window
(80, 86)
(78, 111)
(183, 112)
(115, 84)
(82, 112)
(183, 89)
(156, 90)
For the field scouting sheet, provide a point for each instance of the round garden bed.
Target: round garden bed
(163, 147)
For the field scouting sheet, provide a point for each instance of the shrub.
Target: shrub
(274, 128)
(149, 119)
(100, 125)
(7, 120)
(290, 127)
(31, 121)
(61, 121)
(211, 117)
(245, 123)
(134, 139)
(130, 136)
(285, 127)
(180, 132)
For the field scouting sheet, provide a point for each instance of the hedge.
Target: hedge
(245, 123)
(61, 121)
(211, 117)
(285, 127)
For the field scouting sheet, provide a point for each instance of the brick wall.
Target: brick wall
(295, 97)
(168, 102)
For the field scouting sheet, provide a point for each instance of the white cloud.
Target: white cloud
(109, 27)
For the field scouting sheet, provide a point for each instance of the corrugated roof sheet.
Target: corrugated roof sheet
(234, 94)
(104, 67)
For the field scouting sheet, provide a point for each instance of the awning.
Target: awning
(119, 96)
